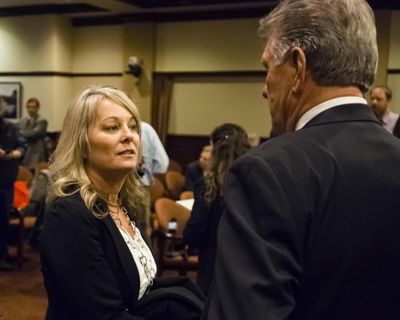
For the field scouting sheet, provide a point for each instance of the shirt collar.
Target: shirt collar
(314, 111)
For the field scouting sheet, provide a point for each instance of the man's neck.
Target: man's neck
(313, 95)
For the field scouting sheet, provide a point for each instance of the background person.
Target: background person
(12, 149)
(195, 170)
(95, 262)
(229, 141)
(380, 103)
(155, 161)
(155, 158)
(311, 223)
(33, 128)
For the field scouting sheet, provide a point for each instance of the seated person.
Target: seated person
(196, 169)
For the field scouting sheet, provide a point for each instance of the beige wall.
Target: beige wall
(98, 49)
(27, 43)
(198, 106)
(220, 45)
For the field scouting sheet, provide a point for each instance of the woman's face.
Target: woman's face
(114, 140)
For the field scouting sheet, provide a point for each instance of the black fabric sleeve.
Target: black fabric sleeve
(196, 228)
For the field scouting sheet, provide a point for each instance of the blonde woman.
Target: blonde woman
(96, 264)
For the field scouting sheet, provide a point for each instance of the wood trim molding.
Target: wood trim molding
(213, 74)
(58, 74)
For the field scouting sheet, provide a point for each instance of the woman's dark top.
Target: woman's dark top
(88, 270)
(201, 232)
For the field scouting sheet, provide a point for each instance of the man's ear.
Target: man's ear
(298, 61)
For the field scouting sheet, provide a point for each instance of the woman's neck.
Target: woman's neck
(108, 185)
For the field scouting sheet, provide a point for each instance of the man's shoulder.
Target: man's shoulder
(290, 148)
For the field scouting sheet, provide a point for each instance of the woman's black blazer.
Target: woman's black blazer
(88, 270)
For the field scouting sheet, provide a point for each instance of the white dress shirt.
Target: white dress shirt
(314, 111)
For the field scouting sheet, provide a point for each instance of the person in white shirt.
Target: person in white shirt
(155, 158)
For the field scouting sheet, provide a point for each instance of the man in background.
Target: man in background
(195, 169)
(12, 149)
(311, 227)
(380, 103)
(33, 128)
(155, 160)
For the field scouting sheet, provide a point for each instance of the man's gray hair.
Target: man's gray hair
(338, 38)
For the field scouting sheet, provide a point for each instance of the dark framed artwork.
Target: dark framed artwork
(10, 95)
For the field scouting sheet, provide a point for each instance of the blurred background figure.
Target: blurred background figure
(381, 96)
(196, 169)
(12, 149)
(155, 160)
(33, 128)
(229, 141)
(254, 140)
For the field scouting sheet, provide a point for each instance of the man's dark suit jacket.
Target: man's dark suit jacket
(312, 225)
(88, 269)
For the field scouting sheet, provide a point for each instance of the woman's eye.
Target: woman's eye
(133, 126)
(112, 128)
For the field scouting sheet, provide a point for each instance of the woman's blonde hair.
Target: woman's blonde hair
(67, 163)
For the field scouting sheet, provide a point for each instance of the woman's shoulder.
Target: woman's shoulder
(73, 199)
(71, 208)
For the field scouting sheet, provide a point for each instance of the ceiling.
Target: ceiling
(91, 12)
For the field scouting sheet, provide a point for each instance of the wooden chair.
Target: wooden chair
(40, 166)
(186, 195)
(166, 210)
(18, 221)
(174, 166)
(156, 191)
(174, 182)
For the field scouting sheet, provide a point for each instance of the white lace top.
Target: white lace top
(143, 257)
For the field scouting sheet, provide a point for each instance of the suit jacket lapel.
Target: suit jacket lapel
(124, 254)
(344, 113)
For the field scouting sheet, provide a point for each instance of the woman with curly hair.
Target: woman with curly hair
(228, 141)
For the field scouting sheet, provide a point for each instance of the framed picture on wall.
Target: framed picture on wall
(10, 96)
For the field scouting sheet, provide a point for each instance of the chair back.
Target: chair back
(24, 174)
(156, 190)
(175, 182)
(40, 166)
(174, 166)
(186, 195)
(167, 209)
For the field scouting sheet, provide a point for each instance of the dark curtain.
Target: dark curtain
(161, 104)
